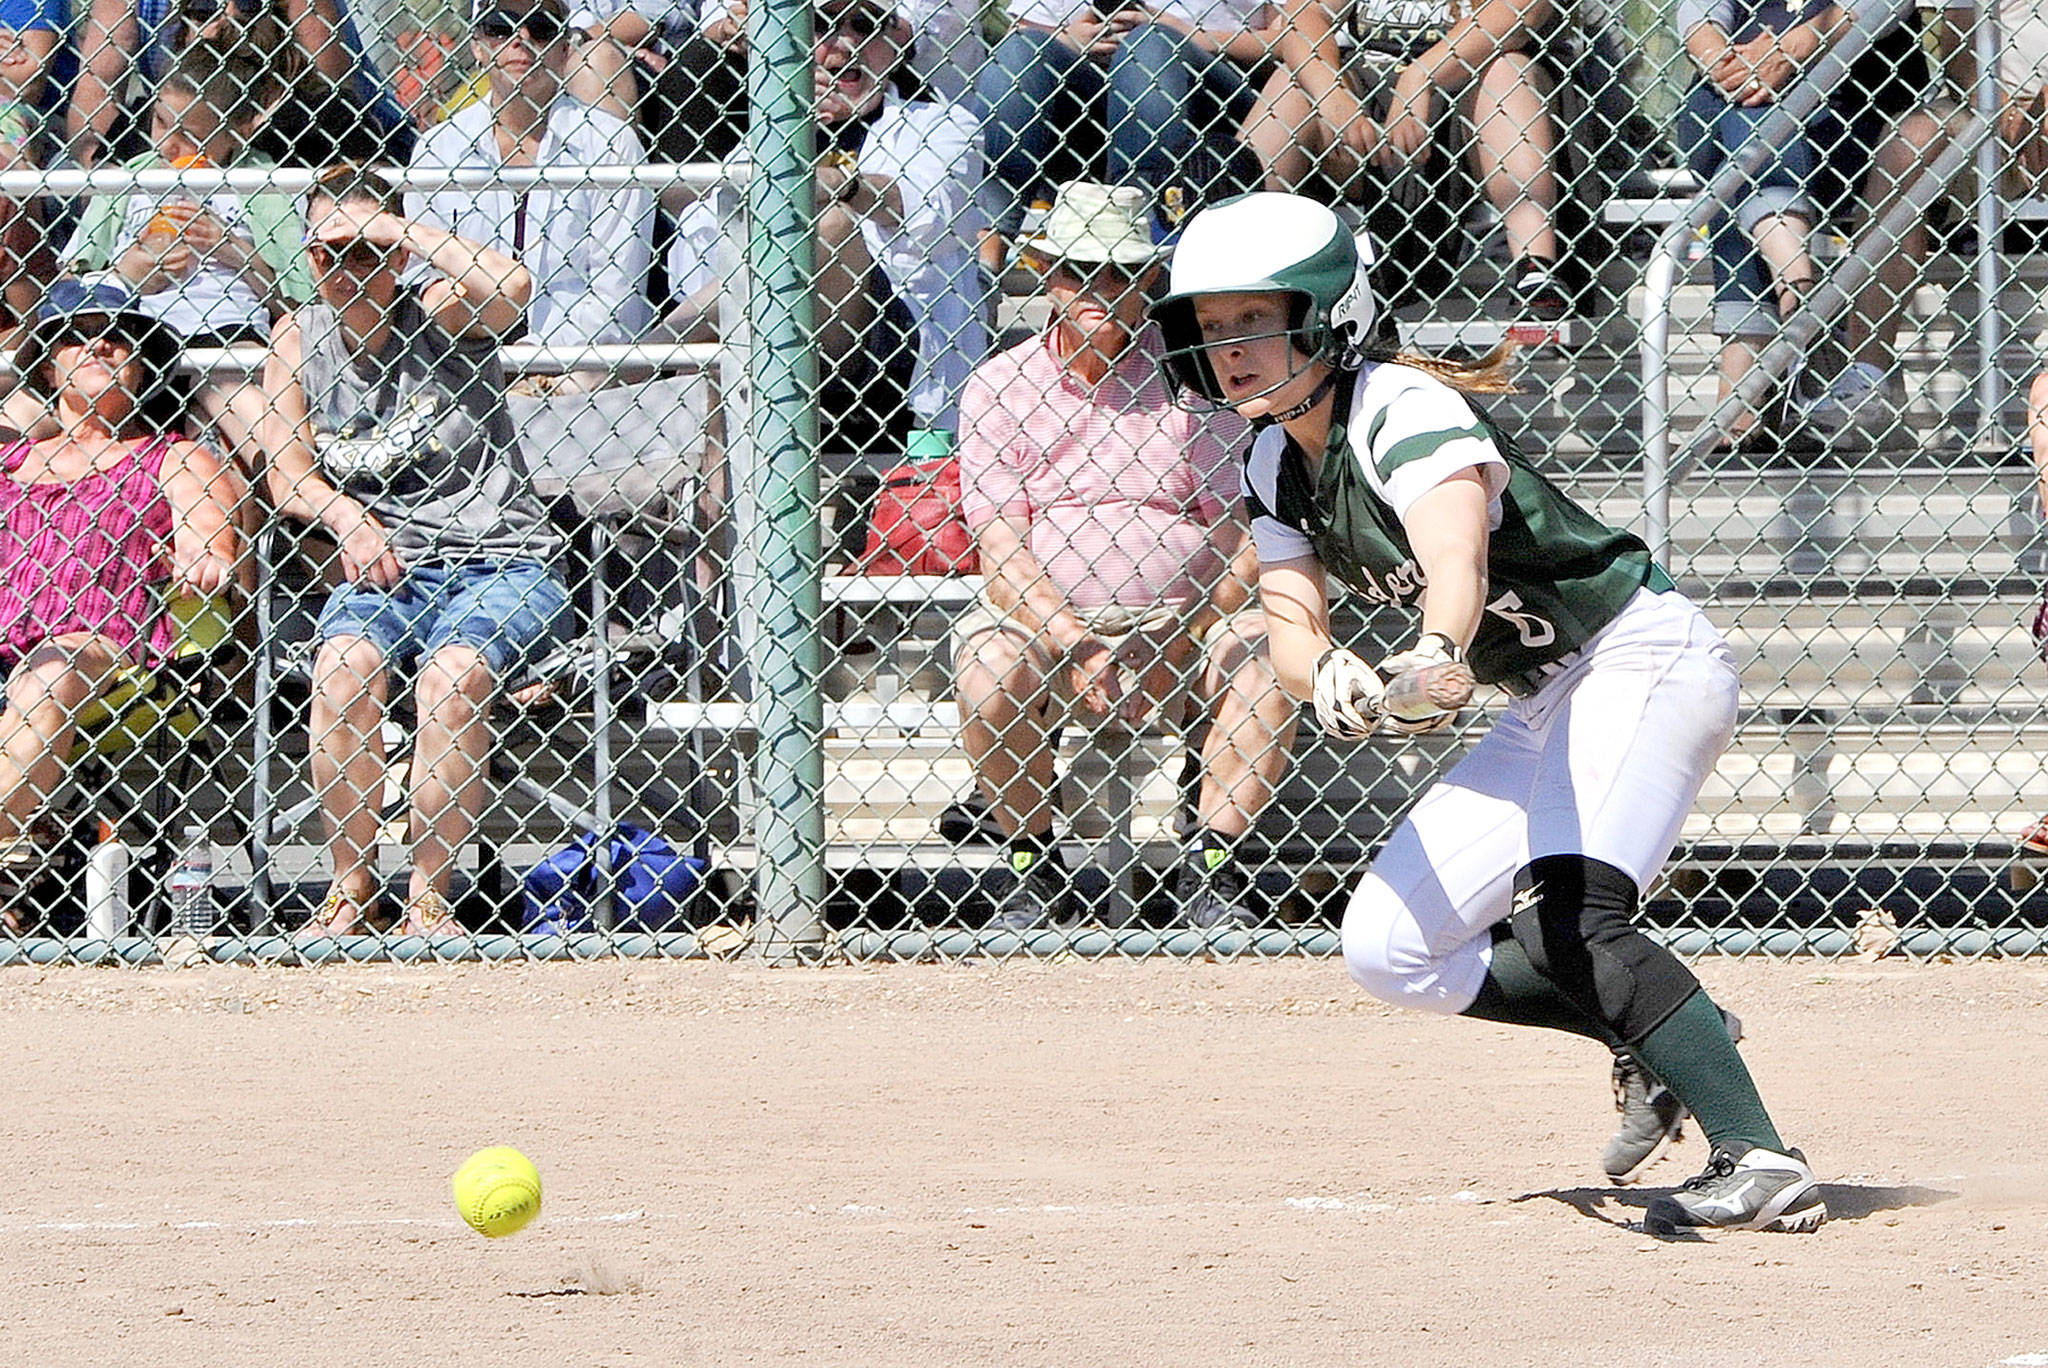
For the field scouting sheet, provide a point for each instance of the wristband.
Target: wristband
(1452, 650)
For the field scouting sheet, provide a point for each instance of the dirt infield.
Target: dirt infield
(1144, 1164)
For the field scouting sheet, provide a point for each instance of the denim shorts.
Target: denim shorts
(511, 612)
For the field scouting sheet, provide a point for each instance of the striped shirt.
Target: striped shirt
(1121, 490)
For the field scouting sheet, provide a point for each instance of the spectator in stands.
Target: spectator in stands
(693, 100)
(1152, 96)
(1422, 88)
(2023, 86)
(216, 268)
(100, 519)
(28, 46)
(694, 83)
(587, 247)
(1115, 567)
(1861, 399)
(1748, 54)
(2035, 837)
(338, 102)
(897, 230)
(337, 105)
(31, 72)
(620, 47)
(388, 427)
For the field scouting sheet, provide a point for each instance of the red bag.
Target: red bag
(917, 528)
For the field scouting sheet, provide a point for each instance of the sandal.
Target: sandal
(341, 914)
(429, 915)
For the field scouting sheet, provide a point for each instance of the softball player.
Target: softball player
(1510, 892)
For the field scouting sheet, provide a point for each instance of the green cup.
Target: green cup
(928, 444)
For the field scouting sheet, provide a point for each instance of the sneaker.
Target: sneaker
(1755, 1190)
(1858, 400)
(1212, 897)
(1040, 895)
(1652, 1117)
(970, 821)
(1547, 291)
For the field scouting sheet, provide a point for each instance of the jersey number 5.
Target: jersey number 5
(1534, 631)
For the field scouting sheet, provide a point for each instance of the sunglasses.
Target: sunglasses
(86, 335)
(499, 26)
(1098, 273)
(359, 257)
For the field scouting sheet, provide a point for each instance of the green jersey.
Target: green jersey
(1555, 574)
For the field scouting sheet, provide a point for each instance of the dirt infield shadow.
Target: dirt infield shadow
(1846, 1201)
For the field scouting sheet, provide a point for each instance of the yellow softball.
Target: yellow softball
(497, 1190)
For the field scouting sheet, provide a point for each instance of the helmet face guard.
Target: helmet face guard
(1186, 361)
(1266, 243)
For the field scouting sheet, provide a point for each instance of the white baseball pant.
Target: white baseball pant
(1605, 760)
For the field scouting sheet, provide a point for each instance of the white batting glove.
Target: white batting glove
(1431, 648)
(1347, 695)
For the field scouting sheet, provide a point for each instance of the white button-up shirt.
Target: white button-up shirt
(588, 249)
(933, 153)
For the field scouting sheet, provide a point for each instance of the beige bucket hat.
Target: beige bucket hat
(1097, 223)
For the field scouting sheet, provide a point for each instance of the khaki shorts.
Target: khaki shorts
(1138, 636)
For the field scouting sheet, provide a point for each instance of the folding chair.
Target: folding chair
(154, 753)
(593, 464)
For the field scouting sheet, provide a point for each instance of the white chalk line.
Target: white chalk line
(1311, 1205)
(1357, 1204)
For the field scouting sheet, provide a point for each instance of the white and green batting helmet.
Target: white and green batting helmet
(1267, 242)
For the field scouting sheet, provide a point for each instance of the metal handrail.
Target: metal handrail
(1660, 280)
(297, 180)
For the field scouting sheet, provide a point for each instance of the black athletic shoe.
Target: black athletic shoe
(1039, 894)
(1212, 896)
(1755, 1190)
(1651, 1117)
(970, 822)
(1548, 291)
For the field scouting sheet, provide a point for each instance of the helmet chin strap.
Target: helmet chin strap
(1315, 397)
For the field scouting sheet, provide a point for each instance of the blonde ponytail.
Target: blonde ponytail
(1488, 375)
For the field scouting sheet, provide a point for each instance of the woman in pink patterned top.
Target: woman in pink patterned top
(98, 524)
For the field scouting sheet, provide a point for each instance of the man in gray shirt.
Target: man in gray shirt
(386, 425)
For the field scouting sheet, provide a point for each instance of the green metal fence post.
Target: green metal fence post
(782, 423)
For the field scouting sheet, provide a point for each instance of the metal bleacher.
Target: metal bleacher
(1874, 595)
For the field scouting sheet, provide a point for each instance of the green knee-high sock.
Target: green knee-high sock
(1692, 1053)
(1516, 994)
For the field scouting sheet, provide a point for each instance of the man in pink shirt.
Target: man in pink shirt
(1115, 565)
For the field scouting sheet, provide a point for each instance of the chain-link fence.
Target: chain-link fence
(710, 486)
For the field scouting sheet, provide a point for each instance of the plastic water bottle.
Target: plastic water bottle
(191, 885)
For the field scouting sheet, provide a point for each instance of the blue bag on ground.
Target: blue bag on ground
(652, 882)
